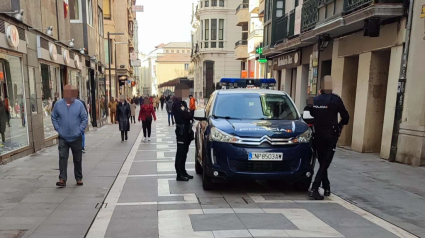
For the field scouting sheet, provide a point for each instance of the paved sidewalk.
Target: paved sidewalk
(393, 192)
(31, 204)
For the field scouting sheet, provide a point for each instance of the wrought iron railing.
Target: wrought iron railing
(281, 29)
(241, 42)
(242, 6)
(352, 5)
(309, 15)
(291, 29)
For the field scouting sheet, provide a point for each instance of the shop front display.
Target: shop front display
(51, 93)
(13, 120)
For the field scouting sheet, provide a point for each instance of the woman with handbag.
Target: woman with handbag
(146, 113)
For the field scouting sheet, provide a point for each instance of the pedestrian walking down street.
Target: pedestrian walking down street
(7, 105)
(169, 108)
(133, 111)
(112, 105)
(185, 135)
(123, 117)
(156, 102)
(3, 120)
(327, 129)
(162, 99)
(147, 112)
(83, 136)
(192, 104)
(69, 119)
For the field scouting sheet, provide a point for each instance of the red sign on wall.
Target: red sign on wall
(244, 74)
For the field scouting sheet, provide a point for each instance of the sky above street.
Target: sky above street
(163, 21)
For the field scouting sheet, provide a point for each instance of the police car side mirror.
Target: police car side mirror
(307, 116)
(200, 115)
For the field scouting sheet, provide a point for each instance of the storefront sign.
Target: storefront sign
(66, 56)
(53, 51)
(77, 61)
(289, 60)
(12, 36)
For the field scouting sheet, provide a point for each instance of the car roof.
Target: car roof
(247, 91)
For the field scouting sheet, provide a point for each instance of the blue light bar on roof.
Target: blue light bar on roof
(227, 83)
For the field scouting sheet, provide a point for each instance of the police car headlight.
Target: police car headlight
(221, 136)
(304, 137)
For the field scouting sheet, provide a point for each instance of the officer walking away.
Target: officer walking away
(327, 129)
(184, 135)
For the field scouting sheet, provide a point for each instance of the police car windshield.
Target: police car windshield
(254, 106)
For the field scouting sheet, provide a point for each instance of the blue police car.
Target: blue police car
(252, 133)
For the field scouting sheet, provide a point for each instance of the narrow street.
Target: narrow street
(144, 200)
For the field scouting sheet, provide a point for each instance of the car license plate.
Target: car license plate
(256, 156)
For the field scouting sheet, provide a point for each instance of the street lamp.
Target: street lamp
(110, 57)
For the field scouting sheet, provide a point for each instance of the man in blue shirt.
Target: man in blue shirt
(69, 118)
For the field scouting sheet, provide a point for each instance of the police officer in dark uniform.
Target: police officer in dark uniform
(184, 134)
(327, 130)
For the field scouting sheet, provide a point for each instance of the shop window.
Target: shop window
(12, 105)
(50, 95)
(33, 90)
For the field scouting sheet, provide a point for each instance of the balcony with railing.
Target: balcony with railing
(256, 33)
(241, 50)
(317, 12)
(242, 14)
(254, 6)
(281, 29)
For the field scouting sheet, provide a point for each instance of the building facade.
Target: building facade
(51, 45)
(214, 33)
(360, 45)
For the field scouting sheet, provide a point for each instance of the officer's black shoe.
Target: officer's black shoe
(314, 193)
(189, 176)
(327, 192)
(182, 178)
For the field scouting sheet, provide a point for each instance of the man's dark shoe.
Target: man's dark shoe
(315, 194)
(182, 178)
(61, 183)
(189, 176)
(327, 192)
(80, 183)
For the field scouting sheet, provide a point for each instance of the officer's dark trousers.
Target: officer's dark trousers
(325, 146)
(77, 154)
(183, 143)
